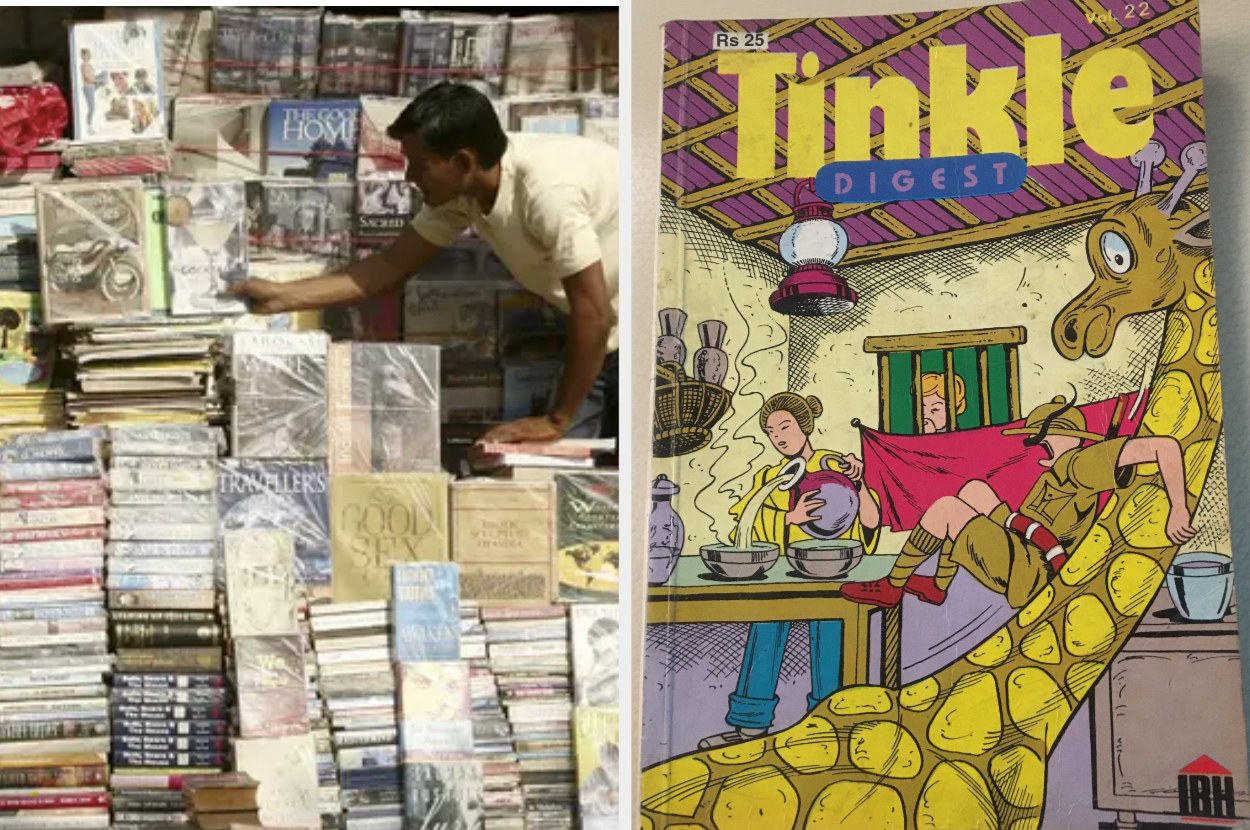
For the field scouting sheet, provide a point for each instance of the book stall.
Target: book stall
(254, 570)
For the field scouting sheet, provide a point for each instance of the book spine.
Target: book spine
(170, 744)
(65, 517)
(69, 776)
(169, 759)
(191, 600)
(51, 495)
(49, 535)
(149, 818)
(194, 712)
(139, 635)
(165, 727)
(161, 550)
(159, 582)
(169, 660)
(54, 802)
(122, 680)
(52, 730)
(169, 696)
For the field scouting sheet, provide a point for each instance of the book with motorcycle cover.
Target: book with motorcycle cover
(117, 80)
(939, 530)
(92, 251)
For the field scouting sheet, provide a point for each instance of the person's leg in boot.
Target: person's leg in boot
(752, 706)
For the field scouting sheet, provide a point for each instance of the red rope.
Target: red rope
(341, 67)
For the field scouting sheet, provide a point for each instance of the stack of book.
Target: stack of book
(596, 715)
(275, 744)
(218, 802)
(54, 726)
(528, 649)
(170, 699)
(353, 653)
(503, 806)
(539, 461)
(328, 796)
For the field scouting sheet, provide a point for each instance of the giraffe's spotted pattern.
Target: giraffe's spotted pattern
(1172, 409)
(1204, 277)
(1207, 351)
(852, 805)
(1087, 627)
(920, 695)
(1019, 775)
(1132, 582)
(675, 788)
(1088, 557)
(968, 721)
(1036, 705)
(1211, 389)
(993, 652)
(1194, 301)
(1143, 521)
(860, 700)
(956, 797)
(1082, 676)
(743, 753)
(1041, 645)
(882, 747)
(810, 747)
(1178, 336)
(1197, 462)
(1037, 606)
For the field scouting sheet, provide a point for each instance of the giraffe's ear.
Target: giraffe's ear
(1196, 233)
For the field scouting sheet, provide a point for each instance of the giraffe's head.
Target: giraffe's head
(1143, 254)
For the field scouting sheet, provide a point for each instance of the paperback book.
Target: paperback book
(280, 395)
(218, 136)
(266, 51)
(425, 53)
(206, 236)
(358, 55)
(588, 536)
(312, 139)
(425, 612)
(117, 80)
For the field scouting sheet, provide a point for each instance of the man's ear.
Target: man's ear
(466, 160)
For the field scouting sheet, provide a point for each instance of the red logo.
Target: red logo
(1205, 791)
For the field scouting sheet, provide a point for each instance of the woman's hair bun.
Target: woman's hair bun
(813, 403)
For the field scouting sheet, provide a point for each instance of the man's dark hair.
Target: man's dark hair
(450, 117)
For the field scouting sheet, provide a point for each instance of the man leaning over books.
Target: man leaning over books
(547, 205)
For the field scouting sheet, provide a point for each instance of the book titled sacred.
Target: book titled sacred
(939, 529)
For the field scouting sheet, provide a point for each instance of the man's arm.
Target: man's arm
(590, 323)
(1165, 452)
(377, 274)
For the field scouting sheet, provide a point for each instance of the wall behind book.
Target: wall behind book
(1225, 31)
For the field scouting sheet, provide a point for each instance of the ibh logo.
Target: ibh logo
(1205, 791)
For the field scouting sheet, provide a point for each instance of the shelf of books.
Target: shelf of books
(253, 569)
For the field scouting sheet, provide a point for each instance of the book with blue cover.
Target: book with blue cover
(425, 611)
(312, 139)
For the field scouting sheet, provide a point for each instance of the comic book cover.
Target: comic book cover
(939, 529)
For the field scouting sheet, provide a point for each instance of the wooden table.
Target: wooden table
(693, 595)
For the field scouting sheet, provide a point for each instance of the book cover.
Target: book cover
(117, 81)
(295, 218)
(272, 696)
(425, 611)
(359, 55)
(547, 114)
(501, 584)
(383, 519)
(435, 711)
(384, 207)
(206, 235)
(384, 407)
(596, 741)
(27, 352)
(19, 240)
(594, 632)
(529, 328)
(280, 395)
(286, 769)
(156, 251)
(503, 521)
(597, 52)
(186, 46)
(218, 136)
(540, 55)
(448, 794)
(907, 374)
(425, 54)
(92, 250)
(529, 388)
(261, 582)
(380, 155)
(479, 46)
(449, 313)
(312, 139)
(266, 51)
(588, 542)
(291, 497)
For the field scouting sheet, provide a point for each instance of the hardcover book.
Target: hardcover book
(937, 425)
(92, 250)
(479, 45)
(594, 630)
(503, 522)
(380, 155)
(294, 218)
(206, 235)
(186, 46)
(384, 207)
(312, 139)
(425, 612)
(540, 55)
(266, 51)
(261, 582)
(359, 55)
(291, 497)
(271, 686)
(435, 711)
(384, 408)
(117, 80)
(27, 352)
(380, 520)
(280, 395)
(218, 136)
(286, 769)
(548, 114)
(425, 54)
(588, 540)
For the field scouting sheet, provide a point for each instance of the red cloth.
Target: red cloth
(910, 472)
(30, 116)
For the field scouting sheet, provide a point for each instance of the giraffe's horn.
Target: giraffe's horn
(1193, 162)
(1187, 234)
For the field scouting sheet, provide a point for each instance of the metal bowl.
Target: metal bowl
(1201, 584)
(824, 558)
(740, 563)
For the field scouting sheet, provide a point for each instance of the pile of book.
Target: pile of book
(528, 649)
(27, 352)
(219, 802)
(353, 654)
(328, 795)
(503, 806)
(538, 461)
(170, 697)
(54, 718)
(595, 634)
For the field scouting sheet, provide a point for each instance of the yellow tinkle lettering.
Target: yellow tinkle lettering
(953, 110)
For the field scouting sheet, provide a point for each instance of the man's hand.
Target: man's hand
(262, 296)
(1178, 529)
(803, 511)
(534, 430)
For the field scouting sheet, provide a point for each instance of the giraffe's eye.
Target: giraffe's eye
(1116, 252)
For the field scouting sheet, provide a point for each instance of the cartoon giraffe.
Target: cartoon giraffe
(966, 748)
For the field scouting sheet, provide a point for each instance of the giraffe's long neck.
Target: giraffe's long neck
(966, 748)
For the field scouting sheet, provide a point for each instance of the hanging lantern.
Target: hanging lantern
(812, 246)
